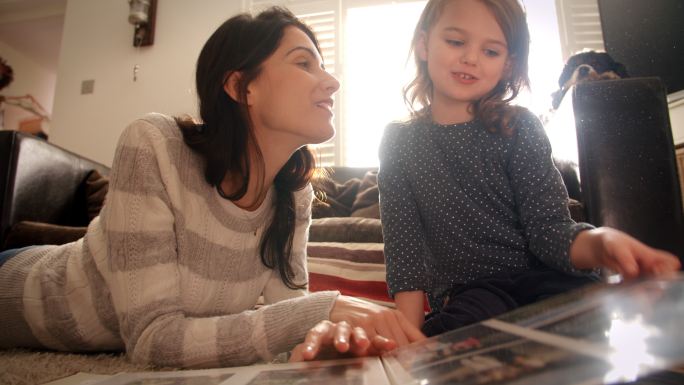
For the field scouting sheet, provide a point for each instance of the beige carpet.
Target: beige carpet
(23, 367)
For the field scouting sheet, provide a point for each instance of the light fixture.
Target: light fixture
(142, 15)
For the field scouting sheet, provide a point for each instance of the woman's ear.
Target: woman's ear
(421, 46)
(230, 85)
(508, 67)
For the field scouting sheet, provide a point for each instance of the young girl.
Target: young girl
(474, 213)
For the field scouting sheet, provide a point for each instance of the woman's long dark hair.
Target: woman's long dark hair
(242, 44)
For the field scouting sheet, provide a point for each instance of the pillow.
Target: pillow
(333, 199)
(345, 229)
(355, 269)
(366, 204)
(27, 233)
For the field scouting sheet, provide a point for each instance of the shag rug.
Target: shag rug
(24, 367)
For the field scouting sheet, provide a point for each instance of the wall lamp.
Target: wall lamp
(142, 15)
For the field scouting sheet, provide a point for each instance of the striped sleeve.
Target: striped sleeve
(144, 276)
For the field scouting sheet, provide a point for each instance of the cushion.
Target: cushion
(345, 229)
(366, 204)
(355, 269)
(28, 233)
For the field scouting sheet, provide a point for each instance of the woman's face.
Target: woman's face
(290, 102)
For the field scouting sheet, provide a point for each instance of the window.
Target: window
(366, 45)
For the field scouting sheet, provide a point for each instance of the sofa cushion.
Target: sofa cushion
(345, 229)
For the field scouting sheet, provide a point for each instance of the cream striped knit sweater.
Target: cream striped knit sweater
(169, 271)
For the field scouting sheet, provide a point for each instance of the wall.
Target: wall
(29, 78)
(677, 120)
(97, 44)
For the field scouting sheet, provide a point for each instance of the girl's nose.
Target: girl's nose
(469, 56)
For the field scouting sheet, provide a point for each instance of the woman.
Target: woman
(201, 220)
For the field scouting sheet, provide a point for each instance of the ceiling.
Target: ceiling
(34, 28)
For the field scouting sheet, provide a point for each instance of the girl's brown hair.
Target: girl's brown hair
(493, 109)
(242, 44)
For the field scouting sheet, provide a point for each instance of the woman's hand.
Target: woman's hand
(375, 320)
(330, 340)
(607, 247)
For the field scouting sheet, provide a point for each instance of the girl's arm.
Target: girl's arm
(555, 238)
(540, 196)
(404, 240)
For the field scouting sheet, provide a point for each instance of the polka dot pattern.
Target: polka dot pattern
(458, 203)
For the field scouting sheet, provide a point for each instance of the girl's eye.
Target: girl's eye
(455, 43)
(491, 53)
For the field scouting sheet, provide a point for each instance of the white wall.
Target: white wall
(97, 44)
(29, 79)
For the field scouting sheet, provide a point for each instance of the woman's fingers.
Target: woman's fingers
(382, 344)
(359, 342)
(318, 336)
(412, 332)
(342, 336)
(398, 334)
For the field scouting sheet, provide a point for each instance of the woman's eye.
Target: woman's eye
(455, 43)
(304, 64)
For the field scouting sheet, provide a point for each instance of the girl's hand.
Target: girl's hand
(607, 247)
(375, 320)
(332, 340)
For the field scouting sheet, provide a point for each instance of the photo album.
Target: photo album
(601, 334)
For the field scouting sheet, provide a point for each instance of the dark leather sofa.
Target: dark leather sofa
(41, 182)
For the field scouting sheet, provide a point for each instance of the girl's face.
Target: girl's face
(466, 53)
(290, 101)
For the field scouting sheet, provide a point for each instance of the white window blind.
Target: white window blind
(580, 26)
(323, 18)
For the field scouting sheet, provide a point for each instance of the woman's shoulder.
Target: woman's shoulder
(156, 124)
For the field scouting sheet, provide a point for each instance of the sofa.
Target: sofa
(48, 195)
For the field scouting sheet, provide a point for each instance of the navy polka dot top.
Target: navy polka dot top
(459, 202)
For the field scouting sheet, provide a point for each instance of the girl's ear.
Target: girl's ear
(421, 46)
(230, 85)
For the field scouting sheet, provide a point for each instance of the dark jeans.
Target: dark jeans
(7, 254)
(491, 296)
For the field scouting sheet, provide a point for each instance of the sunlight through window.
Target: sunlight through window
(376, 69)
(377, 66)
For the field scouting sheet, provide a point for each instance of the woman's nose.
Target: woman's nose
(330, 83)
